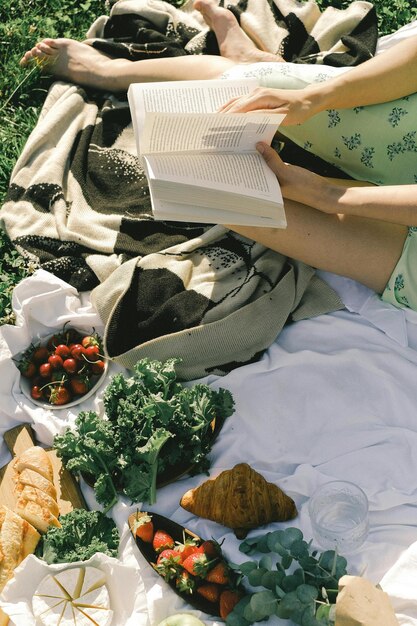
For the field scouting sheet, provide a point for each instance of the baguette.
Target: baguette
(33, 479)
(36, 459)
(36, 495)
(39, 516)
(18, 538)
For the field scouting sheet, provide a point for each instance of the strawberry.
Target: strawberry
(197, 564)
(209, 591)
(162, 540)
(211, 548)
(219, 574)
(168, 564)
(228, 600)
(169, 553)
(185, 583)
(143, 528)
(186, 548)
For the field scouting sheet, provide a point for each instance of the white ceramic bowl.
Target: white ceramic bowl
(26, 383)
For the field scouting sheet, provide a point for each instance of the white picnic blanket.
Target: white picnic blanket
(334, 397)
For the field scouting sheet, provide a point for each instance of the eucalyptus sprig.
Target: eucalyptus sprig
(298, 583)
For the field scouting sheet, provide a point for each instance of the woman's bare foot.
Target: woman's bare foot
(234, 43)
(74, 61)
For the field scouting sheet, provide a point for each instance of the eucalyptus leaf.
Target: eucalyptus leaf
(233, 619)
(327, 559)
(291, 535)
(262, 545)
(308, 618)
(266, 562)
(286, 561)
(299, 549)
(274, 537)
(282, 612)
(255, 576)
(307, 593)
(251, 616)
(241, 605)
(263, 603)
(279, 549)
(290, 583)
(247, 567)
(270, 580)
(291, 602)
(249, 546)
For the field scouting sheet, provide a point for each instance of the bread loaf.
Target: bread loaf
(240, 499)
(34, 488)
(36, 495)
(34, 479)
(39, 516)
(36, 459)
(18, 538)
(36, 510)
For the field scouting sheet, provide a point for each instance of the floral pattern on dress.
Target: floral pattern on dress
(334, 118)
(395, 115)
(399, 282)
(394, 149)
(307, 145)
(352, 142)
(337, 153)
(406, 144)
(367, 156)
(358, 109)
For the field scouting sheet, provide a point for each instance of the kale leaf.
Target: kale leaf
(83, 533)
(153, 426)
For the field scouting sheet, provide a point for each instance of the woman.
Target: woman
(365, 233)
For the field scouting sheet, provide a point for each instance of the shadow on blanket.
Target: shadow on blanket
(79, 205)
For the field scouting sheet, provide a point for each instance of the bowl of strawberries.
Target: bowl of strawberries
(62, 369)
(196, 569)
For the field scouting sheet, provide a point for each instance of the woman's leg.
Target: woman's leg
(82, 64)
(363, 249)
(233, 42)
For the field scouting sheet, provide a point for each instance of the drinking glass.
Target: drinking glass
(339, 516)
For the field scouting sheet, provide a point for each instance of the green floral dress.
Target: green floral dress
(375, 143)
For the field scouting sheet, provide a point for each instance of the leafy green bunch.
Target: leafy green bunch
(82, 534)
(298, 584)
(152, 425)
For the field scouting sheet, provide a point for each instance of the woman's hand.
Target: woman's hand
(297, 183)
(297, 104)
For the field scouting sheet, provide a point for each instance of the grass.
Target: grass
(22, 23)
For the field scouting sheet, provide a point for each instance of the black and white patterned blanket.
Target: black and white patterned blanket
(78, 202)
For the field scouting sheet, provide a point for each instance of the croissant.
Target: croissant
(240, 499)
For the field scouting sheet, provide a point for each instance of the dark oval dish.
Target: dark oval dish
(178, 533)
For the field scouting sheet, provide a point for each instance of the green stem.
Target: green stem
(109, 478)
(22, 82)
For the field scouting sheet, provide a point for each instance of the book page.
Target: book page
(215, 132)
(174, 211)
(245, 173)
(188, 96)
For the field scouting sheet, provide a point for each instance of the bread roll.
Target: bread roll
(36, 514)
(33, 479)
(240, 499)
(36, 495)
(36, 459)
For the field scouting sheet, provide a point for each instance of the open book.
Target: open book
(203, 166)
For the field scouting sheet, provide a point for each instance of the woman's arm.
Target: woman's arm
(387, 76)
(396, 204)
